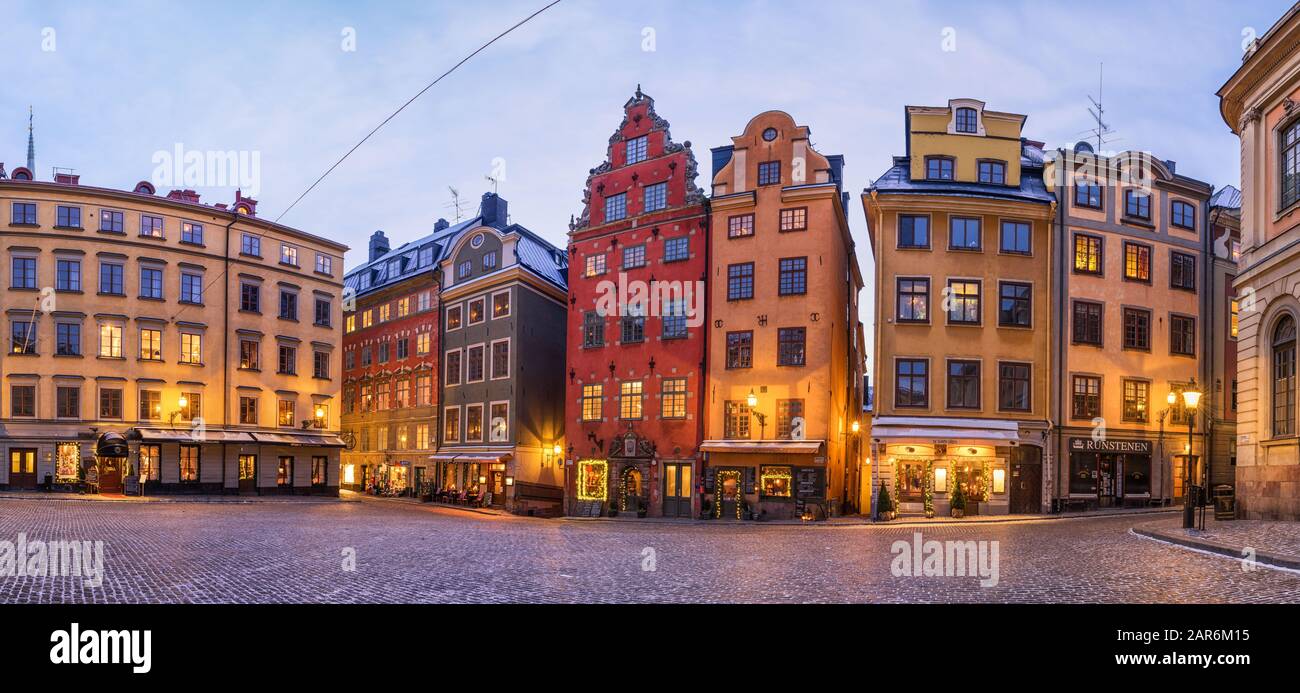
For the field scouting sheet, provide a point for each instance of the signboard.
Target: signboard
(1137, 447)
(131, 486)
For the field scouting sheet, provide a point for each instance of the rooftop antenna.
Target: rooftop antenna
(1098, 112)
(31, 143)
(493, 181)
(455, 204)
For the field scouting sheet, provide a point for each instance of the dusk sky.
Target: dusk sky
(119, 82)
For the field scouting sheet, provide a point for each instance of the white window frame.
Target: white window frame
(490, 369)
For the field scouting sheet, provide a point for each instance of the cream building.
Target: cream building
(199, 339)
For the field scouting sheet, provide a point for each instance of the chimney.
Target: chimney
(378, 245)
(493, 210)
(1172, 166)
(439, 225)
(184, 196)
(66, 178)
(245, 205)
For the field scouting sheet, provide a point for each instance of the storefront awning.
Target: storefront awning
(792, 447)
(470, 457)
(185, 435)
(300, 440)
(902, 429)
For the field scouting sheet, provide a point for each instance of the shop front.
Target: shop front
(477, 478)
(765, 480)
(928, 466)
(1108, 473)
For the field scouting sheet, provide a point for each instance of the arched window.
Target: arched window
(1284, 377)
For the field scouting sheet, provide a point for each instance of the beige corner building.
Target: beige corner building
(1260, 103)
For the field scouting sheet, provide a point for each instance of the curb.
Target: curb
(57, 497)
(1000, 519)
(420, 504)
(1267, 558)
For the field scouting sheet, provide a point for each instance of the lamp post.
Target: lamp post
(752, 401)
(1191, 398)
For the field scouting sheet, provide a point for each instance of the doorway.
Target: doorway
(110, 474)
(248, 474)
(22, 468)
(677, 490)
(630, 491)
(729, 494)
(1027, 480)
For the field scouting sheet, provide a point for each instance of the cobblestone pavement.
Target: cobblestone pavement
(1280, 539)
(274, 553)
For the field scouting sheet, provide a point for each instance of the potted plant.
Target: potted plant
(613, 509)
(642, 510)
(957, 501)
(885, 506)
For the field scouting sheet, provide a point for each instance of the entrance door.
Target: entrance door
(499, 488)
(630, 490)
(1027, 480)
(248, 473)
(1106, 481)
(22, 468)
(677, 490)
(729, 498)
(110, 474)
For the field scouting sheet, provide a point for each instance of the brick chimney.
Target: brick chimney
(184, 196)
(494, 210)
(66, 178)
(439, 225)
(378, 245)
(245, 205)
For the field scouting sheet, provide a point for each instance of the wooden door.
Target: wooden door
(22, 468)
(1027, 481)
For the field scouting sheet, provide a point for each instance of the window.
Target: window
(963, 384)
(964, 233)
(403, 348)
(500, 422)
(912, 383)
(248, 410)
(402, 393)
(454, 317)
(22, 337)
(1135, 400)
(616, 207)
(630, 397)
(595, 265)
(464, 269)
(1087, 194)
(1182, 271)
(1183, 215)
(1182, 335)
(672, 402)
(324, 313)
(637, 150)
(189, 464)
(191, 289)
(633, 257)
(425, 301)
(1013, 386)
(151, 282)
(736, 420)
(1087, 254)
(151, 226)
(967, 120)
(787, 410)
(673, 319)
(913, 231)
(193, 408)
(249, 355)
(500, 360)
(794, 219)
(422, 437)
(385, 311)
(289, 306)
(963, 302)
(284, 471)
(489, 261)
(284, 414)
(1016, 237)
(320, 365)
(501, 305)
(288, 255)
(769, 173)
(790, 346)
(1284, 366)
(740, 226)
(593, 329)
(452, 376)
(1137, 262)
(656, 197)
(632, 329)
(740, 281)
(1015, 304)
(67, 402)
(110, 403)
(913, 300)
(994, 172)
(474, 423)
(1086, 400)
(677, 249)
(150, 404)
(319, 466)
(793, 277)
(1137, 329)
(191, 348)
(938, 168)
(1289, 159)
(1087, 323)
(324, 264)
(740, 349)
(477, 311)
(67, 275)
(150, 344)
(474, 363)
(112, 222)
(22, 400)
(23, 213)
(250, 297)
(250, 245)
(110, 341)
(287, 363)
(110, 279)
(191, 233)
(591, 402)
(24, 273)
(67, 339)
(423, 390)
(68, 217)
(1137, 205)
(1234, 317)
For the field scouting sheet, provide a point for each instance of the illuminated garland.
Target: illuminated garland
(928, 493)
(593, 471)
(717, 500)
(988, 483)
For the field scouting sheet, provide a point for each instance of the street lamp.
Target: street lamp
(752, 401)
(1191, 399)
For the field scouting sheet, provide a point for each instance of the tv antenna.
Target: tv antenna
(455, 204)
(1098, 112)
(493, 181)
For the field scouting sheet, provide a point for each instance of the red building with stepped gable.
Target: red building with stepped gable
(636, 367)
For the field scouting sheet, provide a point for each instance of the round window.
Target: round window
(769, 134)
(476, 241)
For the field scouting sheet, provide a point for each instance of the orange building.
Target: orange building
(784, 395)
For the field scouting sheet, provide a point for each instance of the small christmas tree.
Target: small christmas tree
(957, 500)
(886, 503)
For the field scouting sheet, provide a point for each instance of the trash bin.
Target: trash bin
(1225, 502)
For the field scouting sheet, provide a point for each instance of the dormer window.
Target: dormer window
(967, 120)
(769, 173)
(994, 172)
(637, 150)
(939, 168)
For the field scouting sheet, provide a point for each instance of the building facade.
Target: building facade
(636, 325)
(504, 296)
(201, 336)
(1222, 326)
(1131, 285)
(1259, 104)
(784, 389)
(960, 229)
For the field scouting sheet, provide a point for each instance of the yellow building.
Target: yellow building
(785, 369)
(960, 229)
(200, 340)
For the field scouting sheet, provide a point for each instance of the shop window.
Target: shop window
(775, 482)
(67, 461)
(189, 464)
(593, 480)
(284, 472)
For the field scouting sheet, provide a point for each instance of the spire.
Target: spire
(31, 144)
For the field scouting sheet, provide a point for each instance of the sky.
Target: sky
(294, 85)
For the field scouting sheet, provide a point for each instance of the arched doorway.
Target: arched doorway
(630, 491)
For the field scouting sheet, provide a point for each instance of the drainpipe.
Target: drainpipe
(1059, 458)
(225, 348)
(697, 479)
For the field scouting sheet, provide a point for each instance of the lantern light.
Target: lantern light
(855, 426)
(182, 402)
(752, 399)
